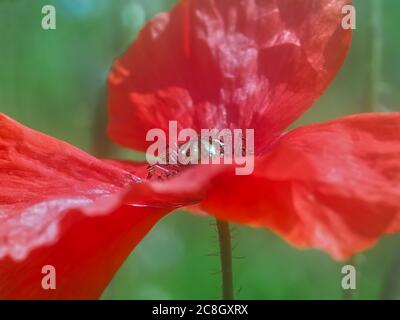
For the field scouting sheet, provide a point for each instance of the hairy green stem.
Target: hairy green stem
(225, 245)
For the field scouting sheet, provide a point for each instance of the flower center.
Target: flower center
(193, 152)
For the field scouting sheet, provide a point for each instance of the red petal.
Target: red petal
(181, 192)
(138, 169)
(61, 207)
(223, 64)
(333, 186)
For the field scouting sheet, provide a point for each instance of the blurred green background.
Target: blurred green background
(54, 81)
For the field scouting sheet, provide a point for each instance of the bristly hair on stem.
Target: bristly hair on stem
(225, 244)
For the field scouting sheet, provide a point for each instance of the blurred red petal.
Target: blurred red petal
(334, 186)
(62, 207)
(227, 64)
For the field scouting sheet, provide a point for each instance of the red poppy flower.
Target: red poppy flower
(206, 64)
